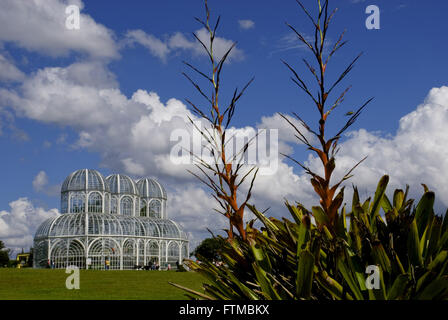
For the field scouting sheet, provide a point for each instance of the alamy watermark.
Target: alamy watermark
(73, 19)
(373, 280)
(72, 281)
(373, 20)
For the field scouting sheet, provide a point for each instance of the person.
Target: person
(169, 267)
(107, 264)
(52, 264)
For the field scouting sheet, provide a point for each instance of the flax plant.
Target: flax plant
(326, 147)
(225, 174)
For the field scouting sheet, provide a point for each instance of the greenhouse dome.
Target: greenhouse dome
(121, 184)
(84, 179)
(150, 188)
(152, 198)
(111, 223)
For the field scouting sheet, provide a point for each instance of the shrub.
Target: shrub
(299, 260)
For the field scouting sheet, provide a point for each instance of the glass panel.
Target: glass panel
(64, 203)
(95, 203)
(126, 185)
(126, 206)
(107, 203)
(154, 209)
(143, 208)
(113, 185)
(104, 254)
(78, 181)
(129, 254)
(95, 181)
(114, 205)
(77, 203)
(76, 255)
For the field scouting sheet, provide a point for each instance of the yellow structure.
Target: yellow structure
(23, 260)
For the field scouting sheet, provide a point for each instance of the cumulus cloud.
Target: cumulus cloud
(179, 41)
(40, 181)
(19, 224)
(415, 154)
(40, 26)
(40, 184)
(133, 168)
(55, 95)
(286, 133)
(128, 132)
(246, 24)
(192, 208)
(8, 71)
(155, 46)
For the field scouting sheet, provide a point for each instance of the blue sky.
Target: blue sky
(403, 64)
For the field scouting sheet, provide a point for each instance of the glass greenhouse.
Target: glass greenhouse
(110, 223)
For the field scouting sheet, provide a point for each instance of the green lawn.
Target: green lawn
(47, 284)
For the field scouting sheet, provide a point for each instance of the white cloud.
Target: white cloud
(220, 46)
(40, 181)
(8, 71)
(56, 95)
(246, 24)
(19, 224)
(155, 46)
(40, 26)
(290, 41)
(179, 41)
(40, 184)
(129, 133)
(415, 154)
(133, 168)
(286, 133)
(192, 208)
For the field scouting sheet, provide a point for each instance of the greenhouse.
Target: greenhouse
(110, 223)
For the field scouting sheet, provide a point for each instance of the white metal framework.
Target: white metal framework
(111, 222)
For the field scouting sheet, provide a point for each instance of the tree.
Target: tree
(30, 261)
(209, 249)
(4, 254)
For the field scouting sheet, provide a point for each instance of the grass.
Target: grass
(47, 284)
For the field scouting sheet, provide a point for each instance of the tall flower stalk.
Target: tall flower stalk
(326, 147)
(225, 174)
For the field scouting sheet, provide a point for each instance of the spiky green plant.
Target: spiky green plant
(318, 255)
(292, 259)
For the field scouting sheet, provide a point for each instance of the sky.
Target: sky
(109, 95)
